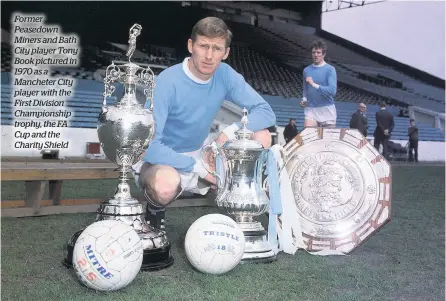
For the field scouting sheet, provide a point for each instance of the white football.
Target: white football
(214, 244)
(107, 255)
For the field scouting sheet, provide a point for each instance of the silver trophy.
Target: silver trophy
(241, 191)
(125, 130)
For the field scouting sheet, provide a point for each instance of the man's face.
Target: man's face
(207, 54)
(293, 122)
(362, 108)
(317, 55)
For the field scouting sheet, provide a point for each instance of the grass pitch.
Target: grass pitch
(403, 261)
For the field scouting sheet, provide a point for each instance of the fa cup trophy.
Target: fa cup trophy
(125, 130)
(240, 190)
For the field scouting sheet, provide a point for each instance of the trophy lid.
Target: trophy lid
(243, 137)
(131, 75)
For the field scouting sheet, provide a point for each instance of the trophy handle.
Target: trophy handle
(112, 74)
(215, 151)
(148, 78)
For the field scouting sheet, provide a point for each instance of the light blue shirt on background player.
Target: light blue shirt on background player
(184, 111)
(320, 96)
(326, 85)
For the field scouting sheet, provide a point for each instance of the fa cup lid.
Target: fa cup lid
(243, 137)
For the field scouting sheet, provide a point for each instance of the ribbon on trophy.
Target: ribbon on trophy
(275, 207)
(285, 227)
(289, 230)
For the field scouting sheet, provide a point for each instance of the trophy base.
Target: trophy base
(156, 259)
(156, 246)
(257, 248)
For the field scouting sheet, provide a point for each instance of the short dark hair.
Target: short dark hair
(412, 120)
(319, 44)
(383, 104)
(212, 27)
(293, 119)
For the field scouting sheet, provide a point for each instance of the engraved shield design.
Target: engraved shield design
(341, 186)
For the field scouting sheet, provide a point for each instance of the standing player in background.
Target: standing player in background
(320, 84)
(187, 98)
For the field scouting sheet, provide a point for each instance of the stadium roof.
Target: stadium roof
(289, 5)
(330, 5)
(327, 5)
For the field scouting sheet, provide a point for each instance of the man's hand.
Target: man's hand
(386, 132)
(209, 160)
(303, 103)
(211, 179)
(309, 80)
(142, 156)
(221, 139)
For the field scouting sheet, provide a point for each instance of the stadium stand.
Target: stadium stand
(355, 68)
(367, 76)
(271, 57)
(271, 78)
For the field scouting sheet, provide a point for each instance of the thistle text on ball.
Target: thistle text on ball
(215, 233)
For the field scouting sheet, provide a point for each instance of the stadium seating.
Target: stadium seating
(267, 76)
(6, 57)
